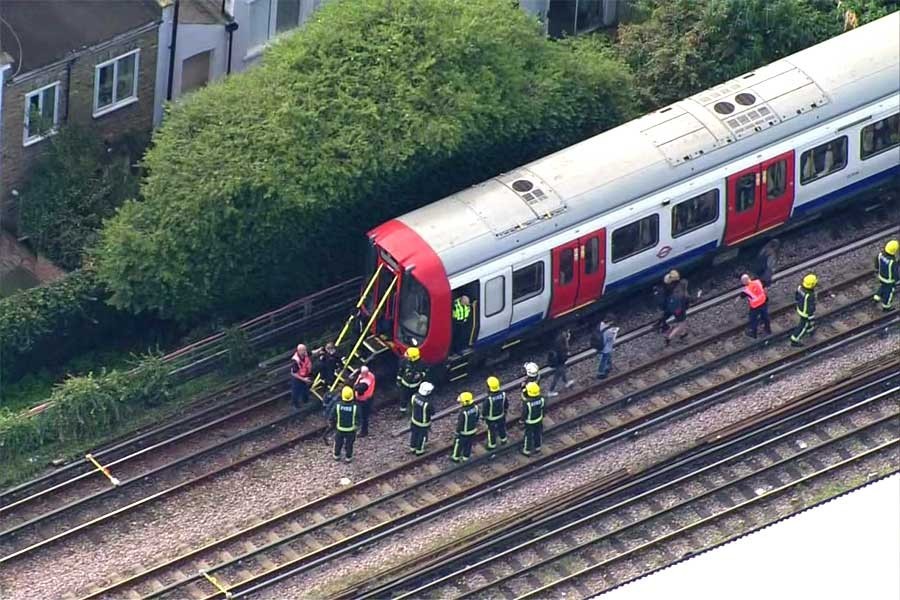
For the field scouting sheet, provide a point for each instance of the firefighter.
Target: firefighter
(421, 412)
(755, 293)
(493, 411)
(410, 374)
(887, 267)
(462, 328)
(533, 414)
(344, 421)
(532, 375)
(466, 427)
(805, 300)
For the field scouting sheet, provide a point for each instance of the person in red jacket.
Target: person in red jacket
(364, 386)
(301, 376)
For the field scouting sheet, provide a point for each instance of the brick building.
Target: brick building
(78, 61)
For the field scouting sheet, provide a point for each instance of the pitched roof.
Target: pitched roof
(37, 33)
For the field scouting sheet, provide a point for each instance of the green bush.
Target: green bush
(47, 325)
(83, 407)
(74, 186)
(262, 186)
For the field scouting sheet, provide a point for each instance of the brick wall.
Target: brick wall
(76, 105)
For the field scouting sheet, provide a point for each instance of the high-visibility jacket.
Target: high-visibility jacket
(301, 367)
(461, 311)
(369, 380)
(756, 293)
(533, 410)
(495, 406)
(467, 421)
(410, 374)
(805, 299)
(344, 416)
(421, 411)
(887, 267)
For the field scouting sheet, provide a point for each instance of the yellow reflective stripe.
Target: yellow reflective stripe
(352, 420)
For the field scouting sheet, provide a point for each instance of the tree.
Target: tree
(680, 47)
(262, 186)
(71, 189)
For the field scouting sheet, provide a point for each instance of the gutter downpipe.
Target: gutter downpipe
(230, 28)
(172, 51)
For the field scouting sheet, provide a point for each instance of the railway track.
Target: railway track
(417, 490)
(718, 490)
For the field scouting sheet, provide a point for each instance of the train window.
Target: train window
(823, 160)
(528, 282)
(566, 266)
(776, 180)
(879, 136)
(592, 255)
(635, 237)
(415, 308)
(494, 296)
(695, 213)
(746, 192)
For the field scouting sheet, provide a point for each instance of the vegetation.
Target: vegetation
(76, 184)
(262, 187)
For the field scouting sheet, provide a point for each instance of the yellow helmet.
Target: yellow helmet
(892, 246)
(347, 393)
(412, 353)
(493, 384)
(810, 281)
(533, 390)
(466, 398)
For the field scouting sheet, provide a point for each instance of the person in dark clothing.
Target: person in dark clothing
(805, 301)
(328, 363)
(344, 420)
(421, 412)
(493, 411)
(766, 261)
(462, 323)
(466, 427)
(678, 304)
(410, 373)
(301, 376)
(557, 359)
(887, 269)
(670, 282)
(533, 415)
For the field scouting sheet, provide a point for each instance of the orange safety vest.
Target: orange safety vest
(369, 380)
(756, 293)
(304, 367)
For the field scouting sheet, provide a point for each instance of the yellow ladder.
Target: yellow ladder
(372, 344)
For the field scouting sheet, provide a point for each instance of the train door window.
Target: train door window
(566, 266)
(695, 213)
(592, 255)
(879, 136)
(635, 238)
(494, 296)
(823, 160)
(415, 309)
(528, 282)
(746, 192)
(776, 180)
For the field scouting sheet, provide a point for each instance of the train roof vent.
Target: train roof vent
(536, 194)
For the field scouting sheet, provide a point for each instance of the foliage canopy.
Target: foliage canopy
(262, 186)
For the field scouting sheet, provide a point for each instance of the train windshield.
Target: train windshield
(415, 308)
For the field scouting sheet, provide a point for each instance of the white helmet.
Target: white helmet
(531, 369)
(425, 388)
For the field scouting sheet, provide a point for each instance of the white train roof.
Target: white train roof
(667, 146)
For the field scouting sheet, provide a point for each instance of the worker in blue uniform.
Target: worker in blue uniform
(421, 412)
(805, 302)
(466, 427)
(493, 411)
(410, 373)
(533, 415)
(344, 421)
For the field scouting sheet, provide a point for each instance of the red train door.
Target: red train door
(579, 270)
(743, 205)
(777, 190)
(565, 264)
(593, 266)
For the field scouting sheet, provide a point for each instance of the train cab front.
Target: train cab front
(409, 293)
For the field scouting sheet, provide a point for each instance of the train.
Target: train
(556, 238)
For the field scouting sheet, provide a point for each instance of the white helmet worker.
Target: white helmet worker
(531, 369)
(425, 388)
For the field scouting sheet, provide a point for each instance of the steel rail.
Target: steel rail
(770, 421)
(364, 538)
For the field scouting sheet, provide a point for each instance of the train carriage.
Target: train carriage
(548, 240)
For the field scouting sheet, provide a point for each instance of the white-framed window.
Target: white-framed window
(41, 113)
(268, 18)
(116, 83)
